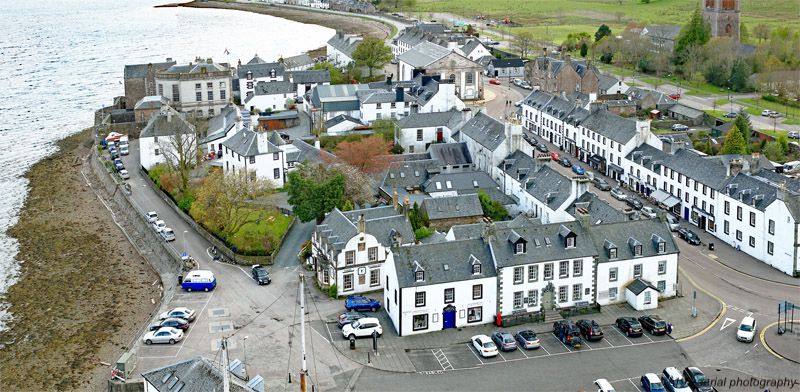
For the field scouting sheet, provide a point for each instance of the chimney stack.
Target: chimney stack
(400, 96)
(395, 199)
(782, 193)
(735, 167)
(406, 208)
(361, 223)
(389, 79)
(316, 142)
(169, 115)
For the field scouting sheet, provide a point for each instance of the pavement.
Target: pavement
(786, 344)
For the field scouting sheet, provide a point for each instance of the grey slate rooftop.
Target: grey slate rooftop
(551, 245)
(423, 54)
(195, 374)
(249, 143)
(135, 71)
(345, 43)
(166, 125)
(485, 130)
(437, 119)
(599, 210)
(454, 154)
(620, 233)
(539, 180)
(338, 227)
(442, 262)
(452, 207)
(684, 162)
(309, 76)
(612, 126)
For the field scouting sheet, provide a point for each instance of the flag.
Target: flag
(226, 51)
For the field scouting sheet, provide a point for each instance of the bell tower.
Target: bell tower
(723, 16)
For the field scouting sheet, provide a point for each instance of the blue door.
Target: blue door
(449, 319)
(686, 213)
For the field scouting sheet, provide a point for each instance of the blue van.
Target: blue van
(199, 280)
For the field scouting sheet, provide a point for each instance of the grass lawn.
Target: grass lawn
(695, 92)
(773, 133)
(621, 72)
(771, 106)
(791, 121)
(250, 236)
(724, 102)
(753, 111)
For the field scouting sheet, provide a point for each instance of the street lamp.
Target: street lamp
(184, 241)
(247, 375)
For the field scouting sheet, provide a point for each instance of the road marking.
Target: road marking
(728, 321)
(766, 346)
(545, 350)
(721, 313)
(624, 336)
(501, 355)
(321, 335)
(472, 350)
(442, 358)
(693, 262)
(634, 384)
(747, 275)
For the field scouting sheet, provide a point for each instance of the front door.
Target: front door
(686, 213)
(547, 300)
(439, 136)
(449, 317)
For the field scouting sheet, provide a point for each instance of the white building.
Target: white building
(199, 89)
(270, 96)
(506, 68)
(256, 153)
(417, 130)
(167, 136)
(340, 49)
(220, 128)
(305, 81)
(474, 50)
(342, 123)
(349, 248)
(439, 286)
(383, 104)
(329, 101)
(255, 71)
(431, 59)
(490, 142)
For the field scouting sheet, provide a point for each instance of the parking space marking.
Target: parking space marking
(472, 350)
(634, 384)
(545, 350)
(623, 335)
(199, 315)
(501, 355)
(443, 361)
(648, 338)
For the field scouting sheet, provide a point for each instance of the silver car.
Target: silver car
(618, 194)
(164, 335)
(649, 212)
(527, 339)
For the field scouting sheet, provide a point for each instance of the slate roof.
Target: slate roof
(640, 230)
(408, 174)
(686, 110)
(458, 180)
(458, 256)
(339, 227)
(342, 118)
(504, 253)
(309, 76)
(663, 32)
(260, 70)
(599, 209)
(541, 181)
(256, 60)
(152, 102)
(507, 63)
(272, 88)
(423, 54)
(566, 110)
(471, 46)
(638, 285)
(452, 207)
(380, 96)
(751, 191)
(195, 374)
(684, 162)
(335, 93)
(433, 28)
(300, 60)
(612, 126)
(162, 125)
(197, 68)
(303, 151)
(450, 153)
(345, 43)
(485, 130)
(777, 179)
(135, 71)
(248, 143)
(438, 119)
(222, 123)
(606, 82)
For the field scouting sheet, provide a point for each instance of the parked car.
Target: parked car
(696, 379)
(362, 328)
(674, 381)
(260, 274)
(689, 236)
(485, 346)
(124, 150)
(172, 322)
(634, 202)
(630, 326)
(649, 212)
(518, 103)
(123, 174)
(530, 140)
(199, 280)
(114, 154)
(747, 330)
(516, 81)
(494, 81)
(167, 234)
(118, 164)
(184, 313)
(603, 385)
(765, 113)
(504, 341)
(526, 85)
(151, 217)
(527, 339)
(651, 383)
(654, 324)
(159, 226)
(673, 223)
(359, 303)
(349, 317)
(163, 335)
(568, 333)
(674, 96)
(394, 61)
(793, 135)
(578, 170)
(679, 128)
(618, 194)
(542, 148)
(601, 184)
(564, 162)
(590, 330)
(730, 115)
(774, 114)
(554, 155)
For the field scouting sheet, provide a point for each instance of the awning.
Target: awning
(659, 195)
(616, 168)
(671, 201)
(597, 159)
(702, 212)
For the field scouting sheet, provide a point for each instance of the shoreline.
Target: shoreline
(83, 291)
(348, 24)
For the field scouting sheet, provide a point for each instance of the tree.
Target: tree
(179, 150)
(784, 143)
(734, 143)
(492, 209)
(707, 148)
(720, 57)
(696, 32)
(373, 53)
(226, 202)
(762, 32)
(603, 31)
(584, 49)
(607, 48)
(336, 74)
(410, 4)
(619, 15)
(697, 79)
(348, 206)
(740, 73)
(744, 33)
(523, 42)
(315, 190)
(358, 186)
(742, 122)
(773, 151)
(365, 154)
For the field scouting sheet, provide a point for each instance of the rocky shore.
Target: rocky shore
(347, 24)
(83, 290)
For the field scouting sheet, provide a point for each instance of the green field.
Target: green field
(249, 237)
(791, 121)
(771, 106)
(568, 16)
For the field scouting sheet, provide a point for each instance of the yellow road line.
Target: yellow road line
(764, 343)
(714, 259)
(724, 307)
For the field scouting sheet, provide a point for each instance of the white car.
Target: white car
(151, 216)
(163, 335)
(362, 328)
(167, 234)
(184, 313)
(123, 174)
(793, 135)
(485, 346)
(747, 330)
(618, 194)
(649, 212)
(159, 226)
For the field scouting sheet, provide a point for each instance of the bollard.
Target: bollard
(369, 360)
(352, 343)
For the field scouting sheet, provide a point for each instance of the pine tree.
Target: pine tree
(602, 32)
(743, 123)
(584, 49)
(734, 142)
(696, 32)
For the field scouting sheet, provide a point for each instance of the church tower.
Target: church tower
(723, 16)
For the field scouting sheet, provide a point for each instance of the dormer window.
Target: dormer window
(659, 242)
(272, 73)
(570, 242)
(419, 276)
(519, 248)
(476, 269)
(249, 75)
(568, 235)
(519, 245)
(612, 253)
(637, 250)
(662, 247)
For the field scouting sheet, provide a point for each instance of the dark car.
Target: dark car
(630, 326)
(601, 184)
(730, 115)
(634, 202)
(174, 322)
(114, 154)
(590, 330)
(541, 147)
(260, 275)
(349, 317)
(564, 162)
(568, 333)
(654, 324)
(359, 303)
(118, 164)
(697, 381)
(504, 341)
(689, 236)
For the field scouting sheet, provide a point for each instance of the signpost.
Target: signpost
(694, 301)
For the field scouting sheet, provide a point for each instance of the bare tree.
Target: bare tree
(761, 31)
(179, 147)
(523, 42)
(619, 15)
(635, 48)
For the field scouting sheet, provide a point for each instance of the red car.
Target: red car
(674, 96)
(554, 155)
(494, 81)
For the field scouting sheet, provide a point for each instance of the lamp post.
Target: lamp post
(184, 242)
(247, 375)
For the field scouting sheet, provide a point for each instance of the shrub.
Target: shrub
(185, 203)
(423, 232)
(332, 291)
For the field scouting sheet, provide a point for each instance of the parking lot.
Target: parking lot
(464, 356)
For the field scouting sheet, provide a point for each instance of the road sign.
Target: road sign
(695, 294)
(184, 255)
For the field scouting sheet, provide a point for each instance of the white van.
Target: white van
(791, 167)
(199, 280)
(603, 385)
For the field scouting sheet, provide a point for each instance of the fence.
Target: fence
(512, 320)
